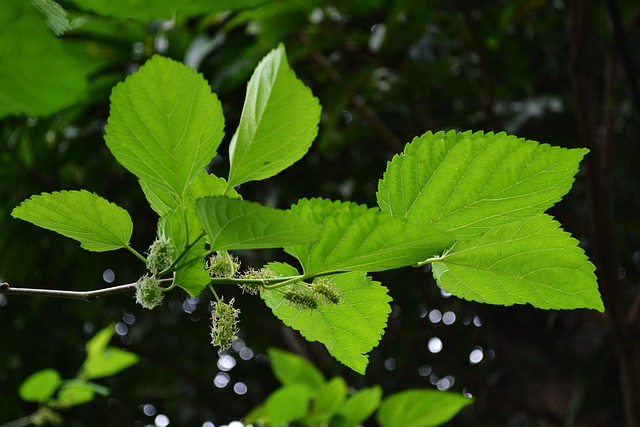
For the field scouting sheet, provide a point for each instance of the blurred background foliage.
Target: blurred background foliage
(563, 73)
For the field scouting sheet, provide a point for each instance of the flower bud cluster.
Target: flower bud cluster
(149, 293)
(304, 296)
(224, 324)
(160, 255)
(222, 264)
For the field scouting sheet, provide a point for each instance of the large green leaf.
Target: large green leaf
(420, 408)
(348, 330)
(37, 74)
(469, 182)
(278, 124)
(238, 224)
(164, 125)
(356, 238)
(528, 261)
(96, 223)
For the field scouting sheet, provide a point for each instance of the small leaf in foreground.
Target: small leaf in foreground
(238, 224)
(357, 238)
(360, 406)
(278, 124)
(529, 261)
(290, 368)
(348, 330)
(420, 408)
(40, 386)
(96, 223)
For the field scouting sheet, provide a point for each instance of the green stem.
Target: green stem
(136, 253)
(213, 291)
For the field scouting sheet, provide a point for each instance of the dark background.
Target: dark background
(385, 71)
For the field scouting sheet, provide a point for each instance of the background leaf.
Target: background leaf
(40, 386)
(529, 261)
(348, 330)
(357, 238)
(164, 124)
(96, 223)
(469, 182)
(358, 407)
(38, 76)
(290, 368)
(237, 224)
(420, 408)
(278, 124)
(104, 361)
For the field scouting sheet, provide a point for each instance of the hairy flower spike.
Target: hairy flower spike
(327, 291)
(224, 324)
(222, 264)
(251, 273)
(301, 297)
(160, 255)
(149, 293)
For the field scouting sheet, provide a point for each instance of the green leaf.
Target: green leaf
(420, 408)
(328, 400)
(528, 261)
(290, 368)
(357, 238)
(203, 184)
(76, 392)
(238, 224)
(348, 330)
(57, 17)
(288, 403)
(147, 10)
(278, 124)
(103, 361)
(165, 125)
(40, 386)
(358, 407)
(86, 217)
(469, 182)
(37, 74)
(111, 361)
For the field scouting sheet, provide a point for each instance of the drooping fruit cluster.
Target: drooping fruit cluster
(149, 293)
(222, 264)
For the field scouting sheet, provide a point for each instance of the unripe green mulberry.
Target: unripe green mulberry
(328, 291)
(149, 293)
(224, 324)
(160, 255)
(301, 297)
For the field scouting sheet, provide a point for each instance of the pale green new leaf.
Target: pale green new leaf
(469, 182)
(528, 261)
(40, 386)
(96, 223)
(103, 361)
(238, 224)
(420, 408)
(279, 122)
(290, 368)
(358, 407)
(357, 238)
(165, 125)
(348, 330)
